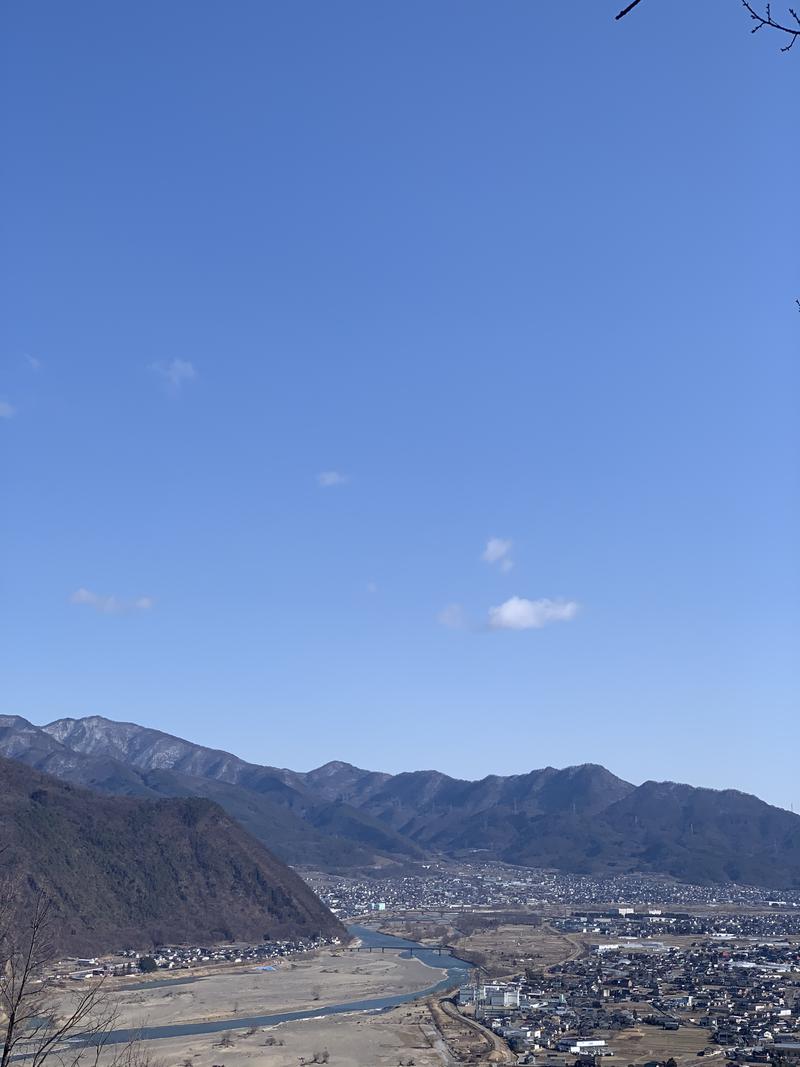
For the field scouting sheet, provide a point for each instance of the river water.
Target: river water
(457, 974)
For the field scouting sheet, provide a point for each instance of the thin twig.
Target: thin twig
(767, 20)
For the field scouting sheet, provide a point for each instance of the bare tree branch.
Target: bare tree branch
(625, 10)
(767, 20)
(792, 31)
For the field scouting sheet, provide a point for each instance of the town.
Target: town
(565, 969)
(437, 886)
(663, 973)
(729, 986)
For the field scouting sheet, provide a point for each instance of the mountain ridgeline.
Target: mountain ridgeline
(581, 819)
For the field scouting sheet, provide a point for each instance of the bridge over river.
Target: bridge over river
(415, 950)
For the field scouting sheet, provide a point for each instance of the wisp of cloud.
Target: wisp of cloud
(519, 613)
(110, 605)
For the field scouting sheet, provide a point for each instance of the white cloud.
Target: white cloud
(110, 605)
(453, 617)
(330, 479)
(176, 372)
(518, 613)
(497, 551)
(372, 587)
(33, 362)
(7, 411)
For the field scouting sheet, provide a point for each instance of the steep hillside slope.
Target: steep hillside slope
(695, 835)
(130, 871)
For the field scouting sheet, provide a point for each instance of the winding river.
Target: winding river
(457, 974)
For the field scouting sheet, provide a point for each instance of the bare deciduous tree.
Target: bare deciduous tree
(38, 1021)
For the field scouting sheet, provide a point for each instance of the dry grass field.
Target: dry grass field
(652, 1043)
(509, 947)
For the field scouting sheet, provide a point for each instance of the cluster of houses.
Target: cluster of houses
(629, 921)
(436, 887)
(130, 963)
(740, 994)
(542, 1016)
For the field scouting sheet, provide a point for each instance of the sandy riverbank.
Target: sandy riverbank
(300, 985)
(358, 1040)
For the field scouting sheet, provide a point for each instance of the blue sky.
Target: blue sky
(306, 304)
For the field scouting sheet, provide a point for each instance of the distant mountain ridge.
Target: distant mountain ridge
(273, 805)
(126, 871)
(581, 819)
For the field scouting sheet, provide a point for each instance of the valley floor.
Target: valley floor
(359, 1040)
(351, 1040)
(294, 985)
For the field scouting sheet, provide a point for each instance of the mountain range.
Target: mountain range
(580, 819)
(128, 871)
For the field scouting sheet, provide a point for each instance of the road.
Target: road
(494, 1043)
